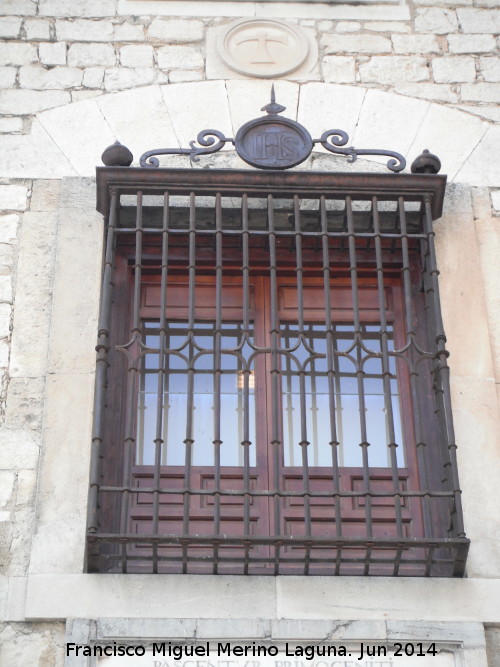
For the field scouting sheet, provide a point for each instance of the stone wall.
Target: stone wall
(402, 71)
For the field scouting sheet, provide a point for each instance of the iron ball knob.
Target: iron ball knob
(117, 155)
(426, 163)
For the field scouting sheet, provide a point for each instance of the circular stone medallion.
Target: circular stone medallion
(263, 48)
(273, 143)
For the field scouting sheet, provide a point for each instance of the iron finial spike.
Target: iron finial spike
(273, 107)
(273, 95)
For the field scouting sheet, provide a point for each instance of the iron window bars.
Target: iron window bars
(272, 389)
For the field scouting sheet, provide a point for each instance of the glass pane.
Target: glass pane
(192, 353)
(306, 357)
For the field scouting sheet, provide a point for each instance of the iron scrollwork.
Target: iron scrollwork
(210, 141)
(272, 142)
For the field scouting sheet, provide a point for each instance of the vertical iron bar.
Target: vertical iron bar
(444, 373)
(160, 389)
(188, 441)
(134, 374)
(217, 367)
(304, 442)
(245, 443)
(386, 374)
(411, 340)
(358, 338)
(102, 348)
(330, 358)
(275, 367)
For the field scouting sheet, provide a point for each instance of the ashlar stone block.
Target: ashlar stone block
(365, 43)
(84, 30)
(53, 54)
(26, 485)
(179, 57)
(490, 68)
(18, 7)
(37, 29)
(128, 32)
(184, 75)
(38, 78)
(479, 20)
(17, 53)
(11, 125)
(5, 315)
(136, 55)
(7, 77)
(436, 20)
(85, 8)
(339, 69)
(7, 481)
(128, 77)
(19, 448)
(454, 69)
(24, 405)
(13, 197)
(175, 31)
(93, 77)
(471, 43)
(88, 55)
(8, 228)
(480, 92)
(10, 27)
(415, 44)
(24, 102)
(394, 69)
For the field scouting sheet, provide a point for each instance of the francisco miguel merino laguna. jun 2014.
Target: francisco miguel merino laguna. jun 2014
(220, 650)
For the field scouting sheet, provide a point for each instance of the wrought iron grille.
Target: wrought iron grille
(272, 389)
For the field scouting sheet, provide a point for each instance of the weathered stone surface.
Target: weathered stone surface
(147, 123)
(479, 20)
(88, 55)
(17, 53)
(436, 20)
(13, 197)
(471, 43)
(127, 77)
(36, 644)
(482, 167)
(384, 111)
(365, 43)
(415, 44)
(5, 314)
(189, 117)
(7, 77)
(19, 7)
(480, 92)
(454, 69)
(37, 29)
(45, 195)
(26, 486)
(93, 77)
(347, 26)
(128, 32)
(38, 78)
(19, 448)
(84, 30)
(490, 68)
(33, 155)
(339, 69)
(8, 228)
(394, 69)
(7, 481)
(11, 125)
(24, 403)
(183, 76)
(322, 107)
(173, 31)
(179, 57)
(5, 287)
(495, 199)
(85, 8)
(53, 54)
(389, 26)
(10, 27)
(136, 55)
(449, 134)
(71, 126)
(33, 295)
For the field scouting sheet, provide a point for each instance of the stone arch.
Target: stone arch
(69, 140)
